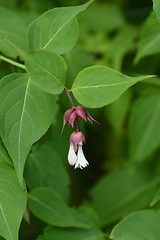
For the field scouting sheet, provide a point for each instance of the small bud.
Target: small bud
(69, 118)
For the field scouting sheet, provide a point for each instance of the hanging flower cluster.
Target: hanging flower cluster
(75, 155)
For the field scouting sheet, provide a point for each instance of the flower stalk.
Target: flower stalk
(66, 90)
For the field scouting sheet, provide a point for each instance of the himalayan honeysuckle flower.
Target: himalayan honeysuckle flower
(76, 141)
(75, 154)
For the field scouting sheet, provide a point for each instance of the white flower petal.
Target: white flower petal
(72, 158)
(81, 162)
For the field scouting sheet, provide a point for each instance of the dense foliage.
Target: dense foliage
(56, 55)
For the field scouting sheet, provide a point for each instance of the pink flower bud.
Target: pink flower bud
(82, 113)
(69, 118)
(77, 138)
(71, 114)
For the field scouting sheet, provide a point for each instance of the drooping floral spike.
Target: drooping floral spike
(75, 155)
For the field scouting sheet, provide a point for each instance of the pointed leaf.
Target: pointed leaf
(56, 29)
(99, 85)
(139, 225)
(26, 113)
(46, 69)
(13, 200)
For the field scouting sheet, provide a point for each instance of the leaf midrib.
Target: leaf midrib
(55, 34)
(45, 70)
(1, 208)
(104, 85)
(20, 126)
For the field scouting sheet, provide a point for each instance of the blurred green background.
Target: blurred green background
(109, 35)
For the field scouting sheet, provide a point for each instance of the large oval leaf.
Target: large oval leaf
(46, 69)
(13, 200)
(144, 119)
(47, 205)
(56, 29)
(99, 85)
(26, 113)
(93, 232)
(139, 225)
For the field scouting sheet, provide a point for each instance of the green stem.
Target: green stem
(12, 62)
(152, 81)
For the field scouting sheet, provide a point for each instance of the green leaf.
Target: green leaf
(118, 50)
(26, 113)
(150, 38)
(98, 86)
(99, 15)
(118, 108)
(139, 225)
(46, 69)
(12, 28)
(156, 7)
(47, 205)
(44, 168)
(123, 190)
(93, 232)
(56, 29)
(71, 234)
(144, 119)
(13, 200)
